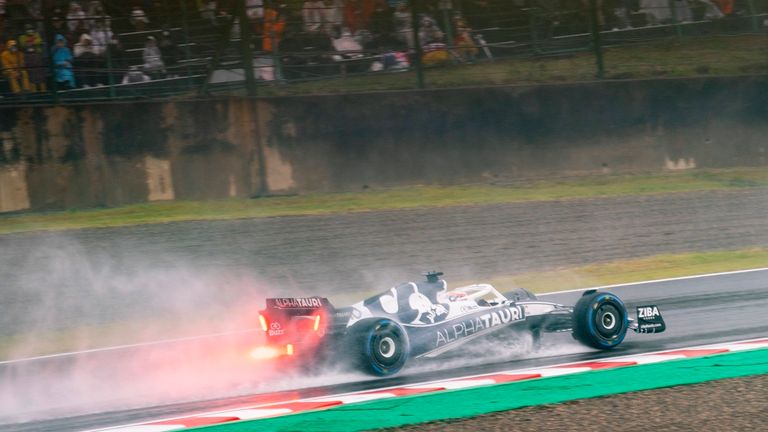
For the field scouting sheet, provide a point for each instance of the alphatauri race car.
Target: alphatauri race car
(425, 319)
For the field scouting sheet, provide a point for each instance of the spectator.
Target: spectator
(116, 54)
(465, 46)
(37, 66)
(95, 9)
(403, 24)
(429, 32)
(274, 26)
(432, 40)
(254, 9)
(59, 25)
(711, 11)
(30, 34)
(62, 60)
(348, 45)
(312, 15)
(139, 19)
(98, 16)
(117, 62)
(88, 60)
(333, 16)
(101, 34)
(208, 11)
(153, 59)
(13, 67)
(381, 22)
(357, 14)
(169, 49)
(726, 6)
(135, 75)
(76, 21)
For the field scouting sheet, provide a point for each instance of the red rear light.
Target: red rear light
(263, 322)
(317, 322)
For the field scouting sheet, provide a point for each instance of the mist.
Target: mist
(159, 329)
(74, 299)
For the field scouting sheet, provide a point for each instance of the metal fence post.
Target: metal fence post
(447, 8)
(48, 47)
(596, 43)
(245, 48)
(532, 15)
(417, 44)
(185, 29)
(110, 75)
(673, 13)
(753, 13)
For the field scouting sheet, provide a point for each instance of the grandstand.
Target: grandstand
(185, 48)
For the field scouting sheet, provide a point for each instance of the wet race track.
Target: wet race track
(187, 270)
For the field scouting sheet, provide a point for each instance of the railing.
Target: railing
(178, 50)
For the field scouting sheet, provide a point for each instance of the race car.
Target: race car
(425, 319)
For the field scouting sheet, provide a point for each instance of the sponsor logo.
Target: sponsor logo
(275, 329)
(299, 303)
(648, 312)
(471, 326)
(650, 326)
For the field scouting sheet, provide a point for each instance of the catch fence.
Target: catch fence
(59, 52)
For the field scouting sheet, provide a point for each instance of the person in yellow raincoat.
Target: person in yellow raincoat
(13, 67)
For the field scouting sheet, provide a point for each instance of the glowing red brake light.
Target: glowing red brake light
(263, 322)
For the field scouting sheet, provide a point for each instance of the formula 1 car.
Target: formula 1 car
(425, 319)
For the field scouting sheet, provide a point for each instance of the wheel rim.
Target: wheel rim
(387, 347)
(608, 321)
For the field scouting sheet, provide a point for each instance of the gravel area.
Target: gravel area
(726, 405)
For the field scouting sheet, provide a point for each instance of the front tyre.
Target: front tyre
(383, 346)
(600, 320)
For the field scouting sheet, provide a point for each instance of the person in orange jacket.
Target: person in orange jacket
(13, 67)
(274, 26)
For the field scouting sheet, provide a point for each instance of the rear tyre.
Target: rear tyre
(600, 320)
(383, 347)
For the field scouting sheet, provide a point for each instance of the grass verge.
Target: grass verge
(624, 271)
(593, 186)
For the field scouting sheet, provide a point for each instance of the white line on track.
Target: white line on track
(658, 281)
(168, 341)
(435, 383)
(136, 345)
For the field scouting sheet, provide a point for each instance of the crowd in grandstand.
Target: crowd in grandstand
(76, 43)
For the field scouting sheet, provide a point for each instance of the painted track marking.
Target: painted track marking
(190, 338)
(328, 401)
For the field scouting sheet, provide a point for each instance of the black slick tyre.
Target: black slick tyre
(382, 345)
(600, 320)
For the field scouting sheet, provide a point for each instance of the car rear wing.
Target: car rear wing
(289, 315)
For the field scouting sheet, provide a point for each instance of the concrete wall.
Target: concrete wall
(115, 154)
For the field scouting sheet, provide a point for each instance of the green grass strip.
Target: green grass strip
(476, 401)
(654, 267)
(593, 186)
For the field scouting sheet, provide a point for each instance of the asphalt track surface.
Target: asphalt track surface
(90, 277)
(701, 310)
(95, 276)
